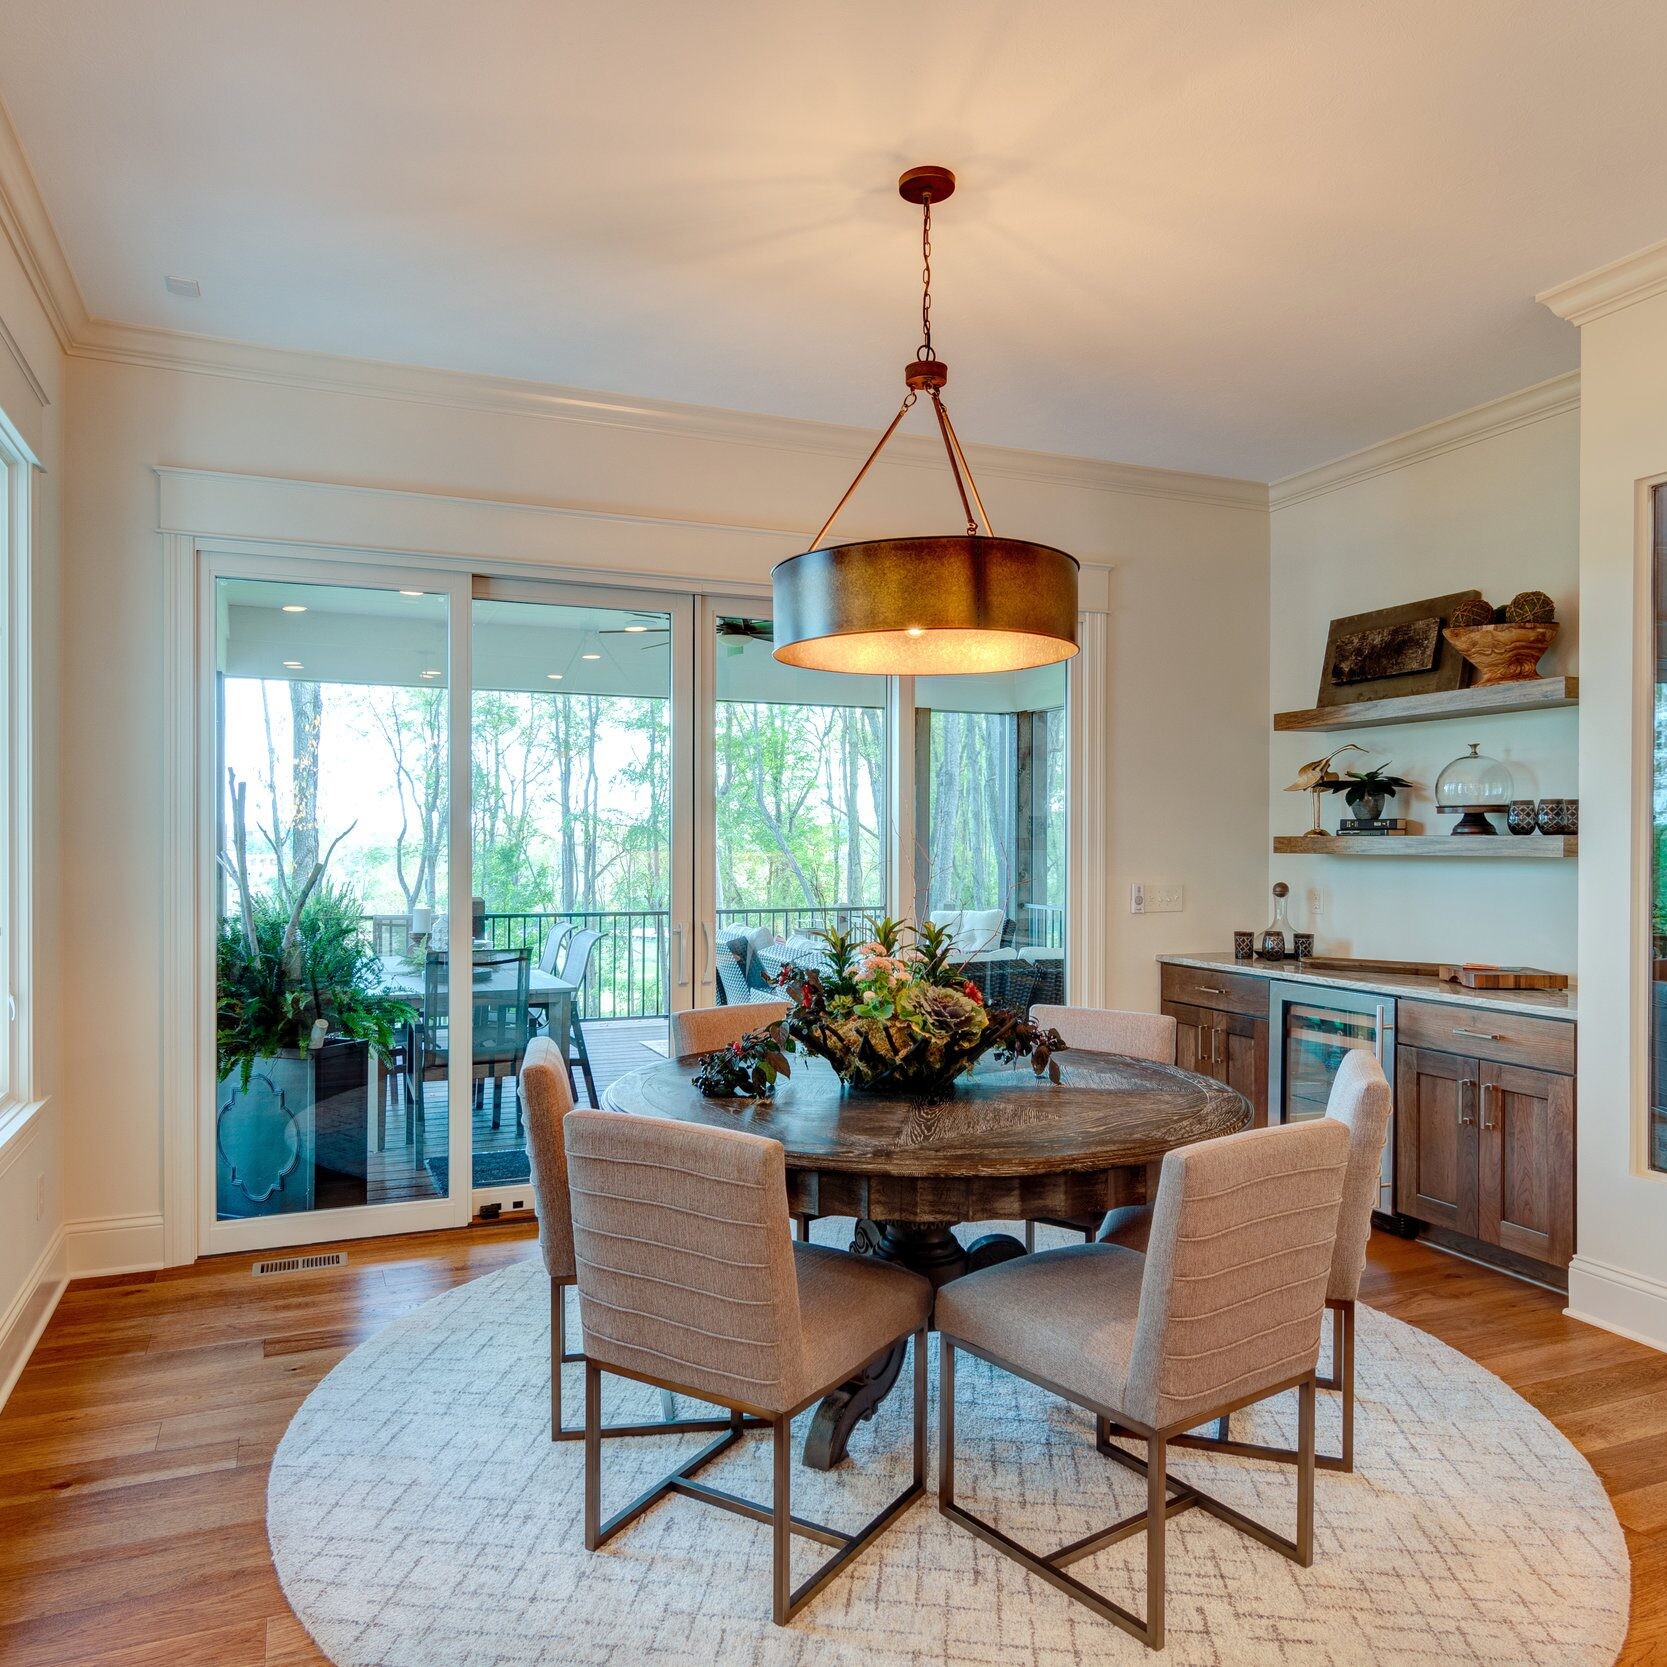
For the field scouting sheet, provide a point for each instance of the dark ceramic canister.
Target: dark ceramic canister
(1521, 818)
(1244, 946)
(1302, 945)
(1549, 816)
(1571, 816)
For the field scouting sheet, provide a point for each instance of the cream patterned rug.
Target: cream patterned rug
(420, 1516)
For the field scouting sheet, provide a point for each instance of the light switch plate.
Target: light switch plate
(1146, 898)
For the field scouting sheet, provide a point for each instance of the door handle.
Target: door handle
(1377, 1035)
(710, 957)
(1467, 1103)
(1487, 1121)
(682, 949)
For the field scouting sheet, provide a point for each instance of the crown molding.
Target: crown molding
(174, 350)
(28, 228)
(1481, 422)
(1607, 289)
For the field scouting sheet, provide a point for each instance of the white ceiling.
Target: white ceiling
(1240, 236)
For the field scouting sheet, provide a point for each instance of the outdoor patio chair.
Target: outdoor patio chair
(575, 964)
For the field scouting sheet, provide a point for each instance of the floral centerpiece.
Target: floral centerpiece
(891, 1011)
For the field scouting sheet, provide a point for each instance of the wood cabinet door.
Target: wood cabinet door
(1436, 1138)
(1526, 1181)
(1246, 1048)
(1198, 1039)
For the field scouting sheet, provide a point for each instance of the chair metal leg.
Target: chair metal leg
(1305, 1474)
(781, 1522)
(1157, 1525)
(786, 1600)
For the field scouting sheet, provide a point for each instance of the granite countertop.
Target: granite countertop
(1544, 1004)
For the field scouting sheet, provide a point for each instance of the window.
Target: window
(16, 475)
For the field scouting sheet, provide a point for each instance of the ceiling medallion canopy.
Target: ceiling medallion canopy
(915, 607)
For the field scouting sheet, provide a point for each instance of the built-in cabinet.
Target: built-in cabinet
(1484, 1124)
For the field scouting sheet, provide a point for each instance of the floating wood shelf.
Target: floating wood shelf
(1536, 694)
(1517, 847)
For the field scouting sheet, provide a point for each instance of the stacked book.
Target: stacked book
(1372, 825)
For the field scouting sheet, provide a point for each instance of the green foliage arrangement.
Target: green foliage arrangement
(895, 1011)
(748, 1068)
(303, 968)
(293, 967)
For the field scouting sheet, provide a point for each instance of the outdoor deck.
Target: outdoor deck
(616, 1046)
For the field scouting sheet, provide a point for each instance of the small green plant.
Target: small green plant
(1356, 785)
(747, 1068)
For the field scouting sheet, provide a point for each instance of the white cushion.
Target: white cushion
(979, 930)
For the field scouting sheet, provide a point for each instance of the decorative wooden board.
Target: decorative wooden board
(1474, 847)
(1007, 1142)
(1504, 978)
(1534, 695)
(1398, 637)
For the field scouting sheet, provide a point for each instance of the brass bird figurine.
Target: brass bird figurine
(1311, 775)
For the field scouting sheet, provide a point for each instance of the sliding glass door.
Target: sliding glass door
(798, 778)
(575, 793)
(332, 734)
(445, 816)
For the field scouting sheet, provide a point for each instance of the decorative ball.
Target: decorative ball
(1530, 607)
(1473, 612)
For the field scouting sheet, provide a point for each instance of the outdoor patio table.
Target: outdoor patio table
(1008, 1145)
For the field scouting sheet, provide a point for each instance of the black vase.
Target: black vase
(1521, 818)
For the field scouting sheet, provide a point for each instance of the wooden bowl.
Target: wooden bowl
(1503, 653)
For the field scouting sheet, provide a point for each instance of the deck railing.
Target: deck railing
(630, 966)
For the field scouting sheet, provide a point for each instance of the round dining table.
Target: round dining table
(1006, 1145)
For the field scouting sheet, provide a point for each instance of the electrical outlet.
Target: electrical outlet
(40, 1197)
(1137, 899)
(1316, 902)
(1165, 900)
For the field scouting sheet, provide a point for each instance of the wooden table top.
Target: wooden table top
(1110, 1112)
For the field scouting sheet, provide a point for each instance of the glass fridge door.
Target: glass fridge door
(1316, 1039)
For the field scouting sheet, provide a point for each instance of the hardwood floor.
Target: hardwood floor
(134, 1450)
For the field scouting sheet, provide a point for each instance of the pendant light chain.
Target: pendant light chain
(924, 351)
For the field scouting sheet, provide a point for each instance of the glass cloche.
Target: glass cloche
(1471, 785)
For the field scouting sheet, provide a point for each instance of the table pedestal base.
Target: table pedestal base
(931, 1250)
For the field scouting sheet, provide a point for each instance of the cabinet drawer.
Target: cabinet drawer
(1226, 992)
(1480, 1033)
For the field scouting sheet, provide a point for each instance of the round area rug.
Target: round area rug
(420, 1516)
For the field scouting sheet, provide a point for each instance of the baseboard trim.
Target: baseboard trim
(1631, 1305)
(114, 1244)
(33, 1307)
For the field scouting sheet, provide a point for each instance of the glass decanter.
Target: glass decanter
(1276, 936)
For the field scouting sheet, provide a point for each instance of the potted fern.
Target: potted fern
(299, 991)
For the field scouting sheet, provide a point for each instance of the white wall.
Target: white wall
(1619, 1277)
(1187, 659)
(32, 1244)
(1499, 514)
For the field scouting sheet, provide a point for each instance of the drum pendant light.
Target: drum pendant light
(915, 607)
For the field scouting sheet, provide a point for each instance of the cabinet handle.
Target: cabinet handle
(1467, 1103)
(1487, 1121)
(1485, 1035)
(1211, 990)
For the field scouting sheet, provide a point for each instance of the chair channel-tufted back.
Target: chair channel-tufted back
(1105, 1030)
(685, 1263)
(546, 1098)
(1361, 1102)
(1236, 1268)
(706, 1029)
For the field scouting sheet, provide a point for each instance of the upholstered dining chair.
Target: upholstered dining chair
(546, 1098)
(1104, 1030)
(1222, 1311)
(688, 1280)
(1360, 1100)
(706, 1029)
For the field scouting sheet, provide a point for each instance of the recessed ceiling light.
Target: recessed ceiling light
(410, 593)
(590, 656)
(182, 286)
(633, 629)
(293, 665)
(554, 676)
(295, 607)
